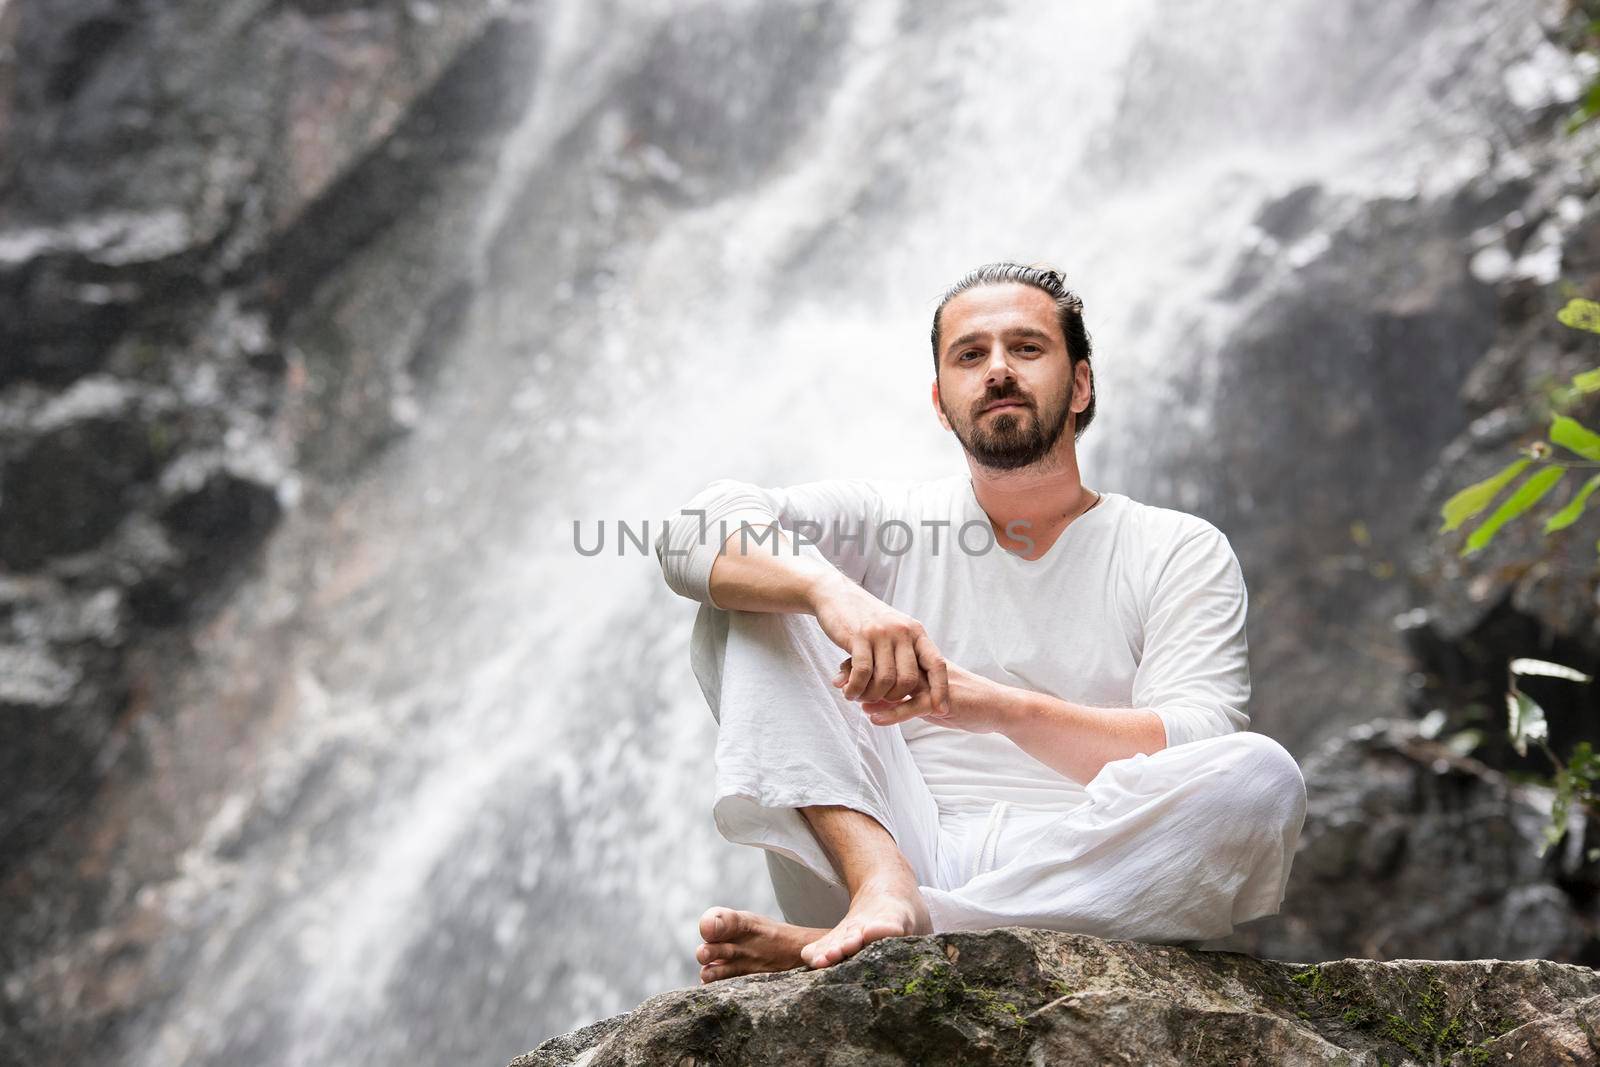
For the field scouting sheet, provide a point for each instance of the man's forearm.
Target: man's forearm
(750, 575)
(1076, 739)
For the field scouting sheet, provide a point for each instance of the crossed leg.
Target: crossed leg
(884, 902)
(1181, 844)
(802, 772)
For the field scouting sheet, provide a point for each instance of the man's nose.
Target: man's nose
(998, 368)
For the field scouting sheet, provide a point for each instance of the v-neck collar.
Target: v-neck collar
(1108, 501)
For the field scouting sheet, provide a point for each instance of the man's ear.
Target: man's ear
(937, 410)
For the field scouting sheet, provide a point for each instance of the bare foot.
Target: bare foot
(744, 942)
(878, 910)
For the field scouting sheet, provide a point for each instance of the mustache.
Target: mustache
(995, 398)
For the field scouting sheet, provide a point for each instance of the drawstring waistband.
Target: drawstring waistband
(984, 861)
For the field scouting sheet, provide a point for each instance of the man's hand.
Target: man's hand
(976, 705)
(891, 655)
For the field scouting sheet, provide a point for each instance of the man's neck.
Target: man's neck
(1048, 497)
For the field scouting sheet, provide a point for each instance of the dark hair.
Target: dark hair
(1069, 313)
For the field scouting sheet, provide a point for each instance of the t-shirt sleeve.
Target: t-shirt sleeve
(833, 519)
(1195, 669)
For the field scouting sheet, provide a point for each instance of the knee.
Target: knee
(788, 640)
(1264, 780)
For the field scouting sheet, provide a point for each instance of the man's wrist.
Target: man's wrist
(1016, 707)
(823, 583)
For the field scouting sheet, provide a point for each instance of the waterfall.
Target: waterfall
(478, 813)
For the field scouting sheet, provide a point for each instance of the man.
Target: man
(1040, 717)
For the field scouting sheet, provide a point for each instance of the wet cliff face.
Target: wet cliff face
(1396, 806)
(182, 192)
(320, 323)
(227, 246)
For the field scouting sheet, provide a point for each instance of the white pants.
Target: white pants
(1181, 844)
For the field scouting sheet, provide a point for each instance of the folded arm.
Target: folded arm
(807, 548)
(1075, 740)
(1192, 680)
(1193, 677)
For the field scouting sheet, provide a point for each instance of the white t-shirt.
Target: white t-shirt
(1133, 606)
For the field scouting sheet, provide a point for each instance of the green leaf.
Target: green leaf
(1526, 722)
(1534, 487)
(1581, 314)
(1573, 783)
(1571, 434)
(1474, 498)
(1584, 764)
(1464, 742)
(1545, 669)
(1569, 514)
(1587, 382)
(1586, 110)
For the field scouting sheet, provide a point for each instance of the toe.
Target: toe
(820, 953)
(716, 924)
(881, 928)
(711, 953)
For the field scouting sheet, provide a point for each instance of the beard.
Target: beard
(1012, 439)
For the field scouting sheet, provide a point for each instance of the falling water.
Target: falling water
(480, 814)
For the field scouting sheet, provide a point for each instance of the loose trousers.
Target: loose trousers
(1180, 844)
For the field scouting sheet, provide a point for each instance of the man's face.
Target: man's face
(1005, 386)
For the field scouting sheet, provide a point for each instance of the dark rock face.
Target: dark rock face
(71, 480)
(708, 98)
(1360, 371)
(1373, 332)
(1016, 995)
(185, 193)
(1395, 810)
(1527, 593)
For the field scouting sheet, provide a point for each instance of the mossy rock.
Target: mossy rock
(1019, 995)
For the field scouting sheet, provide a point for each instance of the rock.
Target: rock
(76, 474)
(32, 678)
(1390, 812)
(1019, 995)
(214, 508)
(230, 253)
(1367, 371)
(1565, 1037)
(1526, 593)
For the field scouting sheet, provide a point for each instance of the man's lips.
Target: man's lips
(1000, 405)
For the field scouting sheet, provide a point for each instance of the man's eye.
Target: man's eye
(964, 355)
(1033, 347)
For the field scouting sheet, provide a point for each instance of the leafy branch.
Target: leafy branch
(1583, 35)
(1576, 781)
(1565, 433)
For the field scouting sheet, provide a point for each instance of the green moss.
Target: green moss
(940, 984)
(1310, 979)
(1417, 1017)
